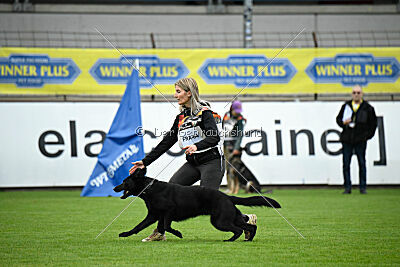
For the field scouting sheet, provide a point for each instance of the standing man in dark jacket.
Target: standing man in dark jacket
(358, 121)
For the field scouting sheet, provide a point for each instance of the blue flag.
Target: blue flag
(122, 146)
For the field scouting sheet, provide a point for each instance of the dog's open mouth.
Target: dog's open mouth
(126, 194)
(121, 187)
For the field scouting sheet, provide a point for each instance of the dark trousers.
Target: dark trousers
(348, 151)
(209, 174)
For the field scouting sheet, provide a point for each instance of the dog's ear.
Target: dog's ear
(140, 172)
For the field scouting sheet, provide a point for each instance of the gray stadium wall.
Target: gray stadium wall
(176, 23)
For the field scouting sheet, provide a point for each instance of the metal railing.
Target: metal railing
(64, 39)
(359, 39)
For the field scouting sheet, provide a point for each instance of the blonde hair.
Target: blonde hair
(196, 104)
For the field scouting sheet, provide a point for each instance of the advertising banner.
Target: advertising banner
(287, 142)
(58, 71)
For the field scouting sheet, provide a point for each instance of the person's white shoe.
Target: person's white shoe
(155, 236)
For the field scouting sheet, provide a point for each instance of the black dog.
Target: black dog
(167, 202)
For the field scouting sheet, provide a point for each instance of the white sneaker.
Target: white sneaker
(155, 236)
(253, 221)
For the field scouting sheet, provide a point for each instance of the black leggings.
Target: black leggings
(209, 174)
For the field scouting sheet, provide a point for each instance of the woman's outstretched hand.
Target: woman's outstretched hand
(190, 149)
(136, 164)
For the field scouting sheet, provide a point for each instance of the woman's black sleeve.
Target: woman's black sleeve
(168, 141)
(210, 130)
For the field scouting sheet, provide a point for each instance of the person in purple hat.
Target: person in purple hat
(233, 125)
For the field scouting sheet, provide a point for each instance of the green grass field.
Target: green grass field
(59, 228)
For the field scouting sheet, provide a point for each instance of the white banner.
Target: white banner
(55, 144)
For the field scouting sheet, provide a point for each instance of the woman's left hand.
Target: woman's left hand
(190, 149)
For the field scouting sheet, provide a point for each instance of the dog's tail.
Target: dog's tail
(255, 201)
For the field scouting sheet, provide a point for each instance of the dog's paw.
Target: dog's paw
(176, 233)
(124, 234)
